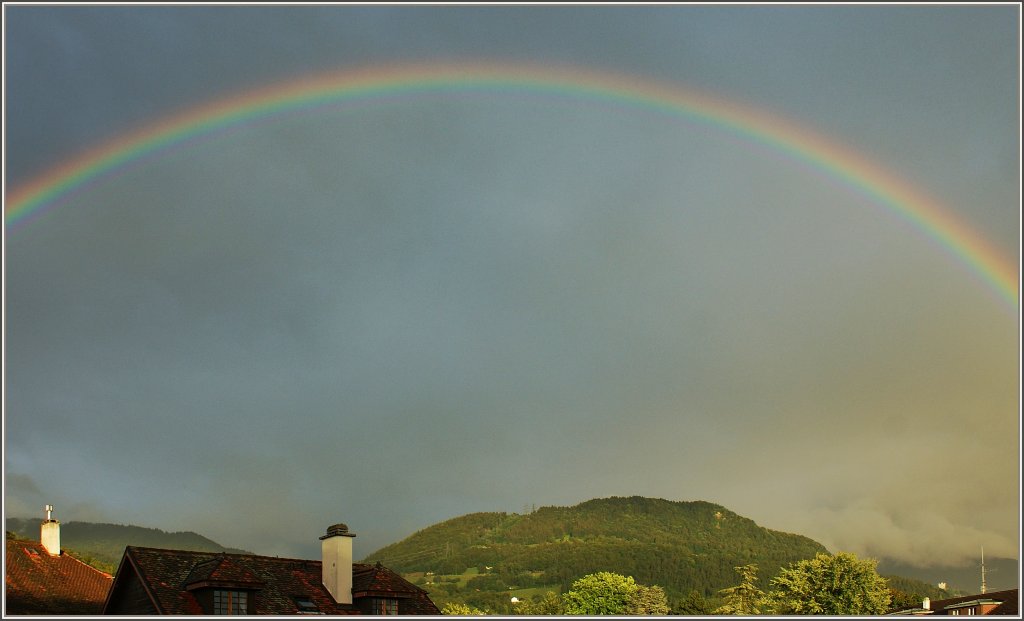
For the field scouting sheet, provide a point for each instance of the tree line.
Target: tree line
(834, 585)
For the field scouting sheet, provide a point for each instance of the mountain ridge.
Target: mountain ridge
(679, 545)
(682, 546)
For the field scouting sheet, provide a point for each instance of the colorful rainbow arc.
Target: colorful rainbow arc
(840, 163)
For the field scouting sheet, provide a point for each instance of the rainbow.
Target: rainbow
(838, 162)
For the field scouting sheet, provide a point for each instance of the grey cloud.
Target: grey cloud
(389, 314)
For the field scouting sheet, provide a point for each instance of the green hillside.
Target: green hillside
(102, 545)
(908, 592)
(680, 546)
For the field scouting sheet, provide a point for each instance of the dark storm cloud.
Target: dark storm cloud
(390, 316)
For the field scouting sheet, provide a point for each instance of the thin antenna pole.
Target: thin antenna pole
(983, 570)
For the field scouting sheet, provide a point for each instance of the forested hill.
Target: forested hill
(102, 545)
(680, 546)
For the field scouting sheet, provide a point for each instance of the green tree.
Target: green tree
(693, 604)
(607, 593)
(648, 600)
(830, 585)
(548, 606)
(901, 600)
(602, 593)
(458, 609)
(744, 598)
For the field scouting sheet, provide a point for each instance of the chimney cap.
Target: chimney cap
(337, 530)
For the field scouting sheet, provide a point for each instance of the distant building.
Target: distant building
(152, 581)
(991, 603)
(41, 579)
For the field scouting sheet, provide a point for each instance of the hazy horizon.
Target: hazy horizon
(390, 312)
(1002, 572)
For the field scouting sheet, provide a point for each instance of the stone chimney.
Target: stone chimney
(49, 533)
(336, 557)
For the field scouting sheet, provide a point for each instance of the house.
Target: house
(177, 582)
(41, 579)
(991, 603)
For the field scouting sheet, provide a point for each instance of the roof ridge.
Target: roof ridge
(229, 554)
(175, 550)
(214, 554)
(973, 596)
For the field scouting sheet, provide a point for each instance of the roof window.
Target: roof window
(307, 606)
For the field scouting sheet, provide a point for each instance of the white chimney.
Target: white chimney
(336, 557)
(49, 533)
(926, 604)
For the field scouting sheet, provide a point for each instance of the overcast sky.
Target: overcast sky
(392, 314)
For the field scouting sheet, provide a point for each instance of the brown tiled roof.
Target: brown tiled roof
(222, 570)
(168, 574)
(37, 583)
(1009, 605)
(379, 581)
(374, 579)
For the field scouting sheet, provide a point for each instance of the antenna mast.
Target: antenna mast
(983, 570)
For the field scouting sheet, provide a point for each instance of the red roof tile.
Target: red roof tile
(222, 570)
(37, 583)
(379, 581)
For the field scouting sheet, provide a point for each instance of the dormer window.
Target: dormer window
(230, 602)
(223, 585)
(384, 606)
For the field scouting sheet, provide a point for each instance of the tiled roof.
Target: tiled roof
(1009, 605)
(221, 569)
(37, 583)
(379, 581)
(167, 574)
